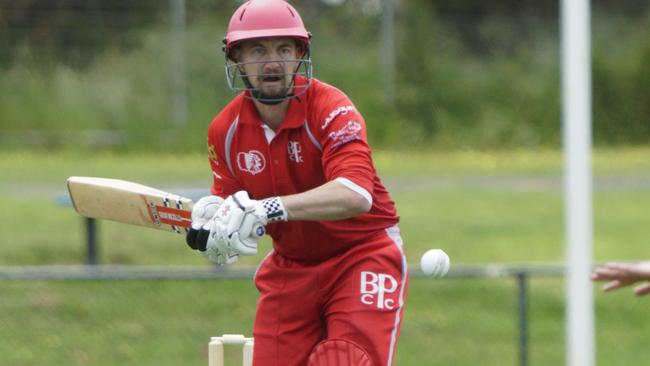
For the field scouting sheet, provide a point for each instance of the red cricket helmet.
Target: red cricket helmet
(265, 18)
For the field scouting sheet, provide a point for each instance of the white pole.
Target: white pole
(387, 52)
(576, 116)
(177, 51)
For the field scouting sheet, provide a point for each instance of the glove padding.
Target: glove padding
(197, 236)
(237, 225)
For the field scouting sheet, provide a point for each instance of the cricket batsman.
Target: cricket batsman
(290, 158)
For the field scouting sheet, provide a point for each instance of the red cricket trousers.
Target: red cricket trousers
(358, 296)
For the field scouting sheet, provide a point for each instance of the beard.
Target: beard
(276, 92)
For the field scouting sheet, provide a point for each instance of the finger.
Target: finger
(243, 201)
(218, 259)
(617, 267)
(213, 257)
(636, 270)
(234, 221)
(232, 258)
(612, 273)
(241, 246)
(211, 208)
(206, 207)
(235, 244)
(605, 274)
(642, 289)
(616, 285)
(610, 286)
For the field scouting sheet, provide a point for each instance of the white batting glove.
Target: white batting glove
(204, 209)
(240, 221)
(216, 249)
(202, 212)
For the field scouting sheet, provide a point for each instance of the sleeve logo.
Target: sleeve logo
(338, 111)
(213, 154)
(349, 132)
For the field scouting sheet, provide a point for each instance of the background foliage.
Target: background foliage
(96, 74)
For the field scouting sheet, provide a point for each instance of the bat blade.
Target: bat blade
(130, 203)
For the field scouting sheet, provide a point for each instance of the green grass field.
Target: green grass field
(481, 207)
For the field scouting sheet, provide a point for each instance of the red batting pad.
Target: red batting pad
(338, 352)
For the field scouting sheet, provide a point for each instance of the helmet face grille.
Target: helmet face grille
(238, 81)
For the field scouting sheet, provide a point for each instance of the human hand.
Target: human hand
(624, 274)
(238, 224)
(203, 211)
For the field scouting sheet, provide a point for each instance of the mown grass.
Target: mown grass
(447, 322)
(472, 204)
(480, 206)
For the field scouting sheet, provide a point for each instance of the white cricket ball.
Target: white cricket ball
(435, 263)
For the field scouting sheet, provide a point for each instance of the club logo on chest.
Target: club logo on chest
(252, 162)
(294, 151)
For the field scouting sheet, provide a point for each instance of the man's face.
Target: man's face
(269, 64)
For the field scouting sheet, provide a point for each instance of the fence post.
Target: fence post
(522, 305)
(387, 42)
(91, 241)
(177, 50)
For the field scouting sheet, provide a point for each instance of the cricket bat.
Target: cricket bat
(130, 203)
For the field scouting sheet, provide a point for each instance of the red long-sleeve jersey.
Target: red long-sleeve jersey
(322, 138)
